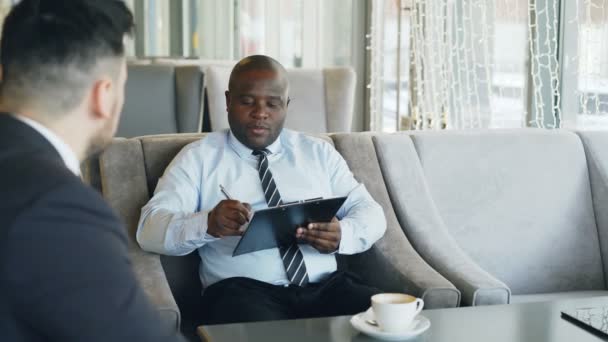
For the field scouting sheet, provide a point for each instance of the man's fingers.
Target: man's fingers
(235, 211)
(229, 223)
(229, 228)
(324, 242)
(321, 245)
(328, 227)
(228, 217)
(333, 224)
(236, 216)
(323, 236)
(244, 210)
(308, 235)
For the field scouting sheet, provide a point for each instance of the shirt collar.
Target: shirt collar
(245, 152)
(66, 153)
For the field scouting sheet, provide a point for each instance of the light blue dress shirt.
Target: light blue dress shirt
(174, 222)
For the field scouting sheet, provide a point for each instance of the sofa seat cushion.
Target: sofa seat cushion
(547, 297)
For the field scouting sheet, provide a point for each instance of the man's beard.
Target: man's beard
(97, 145)
(101, 140)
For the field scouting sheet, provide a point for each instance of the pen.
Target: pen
(223, 190)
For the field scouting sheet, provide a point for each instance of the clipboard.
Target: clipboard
(276, 227)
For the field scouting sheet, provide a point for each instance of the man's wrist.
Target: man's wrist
(339, 238)
(211, 227)
(212, 230)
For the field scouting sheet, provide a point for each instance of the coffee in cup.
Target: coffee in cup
(395, 312)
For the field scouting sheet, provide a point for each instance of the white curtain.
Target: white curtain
(493, 63)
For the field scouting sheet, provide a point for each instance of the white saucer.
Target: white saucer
(417, 327)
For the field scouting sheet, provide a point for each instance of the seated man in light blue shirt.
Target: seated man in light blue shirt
(262, 165)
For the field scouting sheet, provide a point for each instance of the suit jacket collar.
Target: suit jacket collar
(17, 136)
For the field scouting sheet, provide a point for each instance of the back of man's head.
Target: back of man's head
(53, 50)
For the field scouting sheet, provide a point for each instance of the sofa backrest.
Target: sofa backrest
(322, 100)
(161, 99)
(517, 202)
(130, 169)
(201, 65)
(189, 86)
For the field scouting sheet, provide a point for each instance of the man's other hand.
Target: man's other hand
(325, 236)
(227, 218)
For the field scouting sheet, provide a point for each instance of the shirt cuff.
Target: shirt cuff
(200, 221)
(347, 239)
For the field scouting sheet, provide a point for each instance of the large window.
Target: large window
(585, 63)
(300, 33)
(509, 49)
(431, 64)
(449, 64)
(489, 64)
(390, 68)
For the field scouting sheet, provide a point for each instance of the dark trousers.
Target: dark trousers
(239, 299)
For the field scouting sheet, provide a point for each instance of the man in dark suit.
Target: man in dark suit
(65, 274)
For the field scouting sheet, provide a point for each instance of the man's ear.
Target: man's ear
(288, 102)
(102, 98)
(227, 94)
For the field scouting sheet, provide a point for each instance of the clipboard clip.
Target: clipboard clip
(301, 201)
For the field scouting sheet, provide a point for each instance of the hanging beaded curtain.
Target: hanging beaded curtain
(585, 64)
(469, 63)
(498, 63)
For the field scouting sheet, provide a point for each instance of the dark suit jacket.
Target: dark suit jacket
(65, 274)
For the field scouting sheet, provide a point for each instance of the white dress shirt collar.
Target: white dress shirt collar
(245, 152)
(66, 153)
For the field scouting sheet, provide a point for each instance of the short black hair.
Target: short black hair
(50, 48)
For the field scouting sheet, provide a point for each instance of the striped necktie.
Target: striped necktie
(293, 260)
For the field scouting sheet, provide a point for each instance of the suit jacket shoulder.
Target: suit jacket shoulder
(65, 272)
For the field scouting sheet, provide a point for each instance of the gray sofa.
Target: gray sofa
(128, 171)
(506, 216)
(477, 217)
(167, 96)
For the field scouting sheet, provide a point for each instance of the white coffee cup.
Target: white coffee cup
(394, 312)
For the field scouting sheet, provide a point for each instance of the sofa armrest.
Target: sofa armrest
(124, 186)
(477, 286)
(424, 227)
(393, 265)
(149, 271)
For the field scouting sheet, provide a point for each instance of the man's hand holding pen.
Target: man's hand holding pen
(228, 217)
